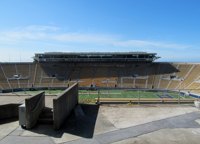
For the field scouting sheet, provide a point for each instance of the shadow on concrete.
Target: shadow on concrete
(81, 126)
(8, 120)
(8, 112)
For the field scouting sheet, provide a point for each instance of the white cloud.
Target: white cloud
(155, 44)
(32, 32)
(83, 38)
(28, 40)
(53, 34)
(40, 28)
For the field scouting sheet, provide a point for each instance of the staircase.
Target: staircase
(46, 117)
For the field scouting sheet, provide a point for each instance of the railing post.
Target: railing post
(98, 100)
(179, 97)
(138, 97)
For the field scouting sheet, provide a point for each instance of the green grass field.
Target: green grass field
(88, 96)
(48, 92)
(127, 94)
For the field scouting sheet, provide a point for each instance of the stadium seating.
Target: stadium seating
(173, 76)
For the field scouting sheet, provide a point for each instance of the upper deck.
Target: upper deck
(95, 57)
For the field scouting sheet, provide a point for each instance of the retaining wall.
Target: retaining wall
(34, 106)
(64, 104)
(8, 111)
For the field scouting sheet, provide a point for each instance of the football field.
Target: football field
(88, 96)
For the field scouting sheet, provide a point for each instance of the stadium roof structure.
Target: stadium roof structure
(95, 57)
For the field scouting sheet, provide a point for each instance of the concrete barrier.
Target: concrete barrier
(8, 111)
(34, 106)
(197, 104)
(64, 104)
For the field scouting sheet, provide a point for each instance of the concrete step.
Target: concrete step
(46, 113)
(46, 109)
(46, 117)
(45, 120)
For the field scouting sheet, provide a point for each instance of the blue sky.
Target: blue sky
(170, 28)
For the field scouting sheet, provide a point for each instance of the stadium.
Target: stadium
(101, 71)
(92, 95)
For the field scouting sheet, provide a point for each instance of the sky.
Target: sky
(170, 28)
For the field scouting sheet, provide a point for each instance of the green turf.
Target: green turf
(88, 96)
(83, 94)
(111, 93)
(53, 92)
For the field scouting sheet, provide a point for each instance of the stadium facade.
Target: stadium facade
(137, 70)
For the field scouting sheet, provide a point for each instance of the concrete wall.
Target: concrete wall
(64, 104)
(8, 111)
(34, 106)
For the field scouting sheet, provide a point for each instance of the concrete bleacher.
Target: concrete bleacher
(173, 84)
(156, 75)
(194, 84)
(8, 71)
(46, 81)
(24, 71)
(16, 75)
(192, 76)
(3, 80)
(150, 81)
(57, 83)
(37, 76)
(156, 81)
(163, 83)
(141, 83)
(184, 69)
(127, 82)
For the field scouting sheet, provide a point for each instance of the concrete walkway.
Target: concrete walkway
(99, 127)
(183, 121)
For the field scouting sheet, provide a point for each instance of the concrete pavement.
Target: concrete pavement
(114, 124)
